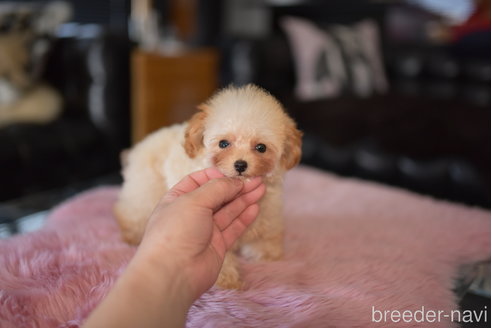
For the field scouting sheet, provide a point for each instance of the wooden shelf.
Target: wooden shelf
(167, 89)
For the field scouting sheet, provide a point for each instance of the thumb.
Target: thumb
(216, 192)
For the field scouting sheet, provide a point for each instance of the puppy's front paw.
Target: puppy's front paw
(266, 250)
(229, 279)
(229, 282)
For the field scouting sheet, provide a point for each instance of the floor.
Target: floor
(27, 213)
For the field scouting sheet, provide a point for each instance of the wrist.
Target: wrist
(149, 293)
(163, 271)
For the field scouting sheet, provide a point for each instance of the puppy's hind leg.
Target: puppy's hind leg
(140, 193)
(268, 247)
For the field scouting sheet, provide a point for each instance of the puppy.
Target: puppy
(244, 132)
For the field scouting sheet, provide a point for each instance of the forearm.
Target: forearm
(150, 293)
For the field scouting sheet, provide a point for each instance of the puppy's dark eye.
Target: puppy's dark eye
(261, 148)
(223, 143)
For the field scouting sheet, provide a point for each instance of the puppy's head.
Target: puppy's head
(244, 132)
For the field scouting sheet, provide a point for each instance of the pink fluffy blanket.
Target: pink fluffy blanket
(353, 248)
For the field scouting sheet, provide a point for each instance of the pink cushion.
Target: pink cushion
(350, 246)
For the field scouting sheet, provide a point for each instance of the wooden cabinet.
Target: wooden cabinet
(167, 89)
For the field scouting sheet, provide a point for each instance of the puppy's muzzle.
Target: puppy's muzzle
(240, 166)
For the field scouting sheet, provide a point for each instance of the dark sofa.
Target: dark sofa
(429, 133)
(91, 72)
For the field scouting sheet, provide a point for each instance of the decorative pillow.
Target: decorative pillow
(353, 250)
(340, 59)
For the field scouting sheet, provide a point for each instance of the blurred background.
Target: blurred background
(395, 91)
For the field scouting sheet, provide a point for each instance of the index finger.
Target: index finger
(191, 182)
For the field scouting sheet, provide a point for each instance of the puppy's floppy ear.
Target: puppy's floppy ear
(194, 132)
(203, 107)
(291, 154)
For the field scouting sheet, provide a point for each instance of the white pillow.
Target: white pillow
(338, 60)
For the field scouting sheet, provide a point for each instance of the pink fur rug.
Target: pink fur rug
(352, 247)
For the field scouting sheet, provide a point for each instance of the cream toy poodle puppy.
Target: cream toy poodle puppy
(243, 132)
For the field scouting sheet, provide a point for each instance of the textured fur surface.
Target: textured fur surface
(349, 245)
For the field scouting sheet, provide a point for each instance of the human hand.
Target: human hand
(198, 220)
(181, 252)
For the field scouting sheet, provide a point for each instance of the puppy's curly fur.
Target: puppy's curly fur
(244, 125)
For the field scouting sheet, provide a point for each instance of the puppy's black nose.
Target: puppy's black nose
(240, 166)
